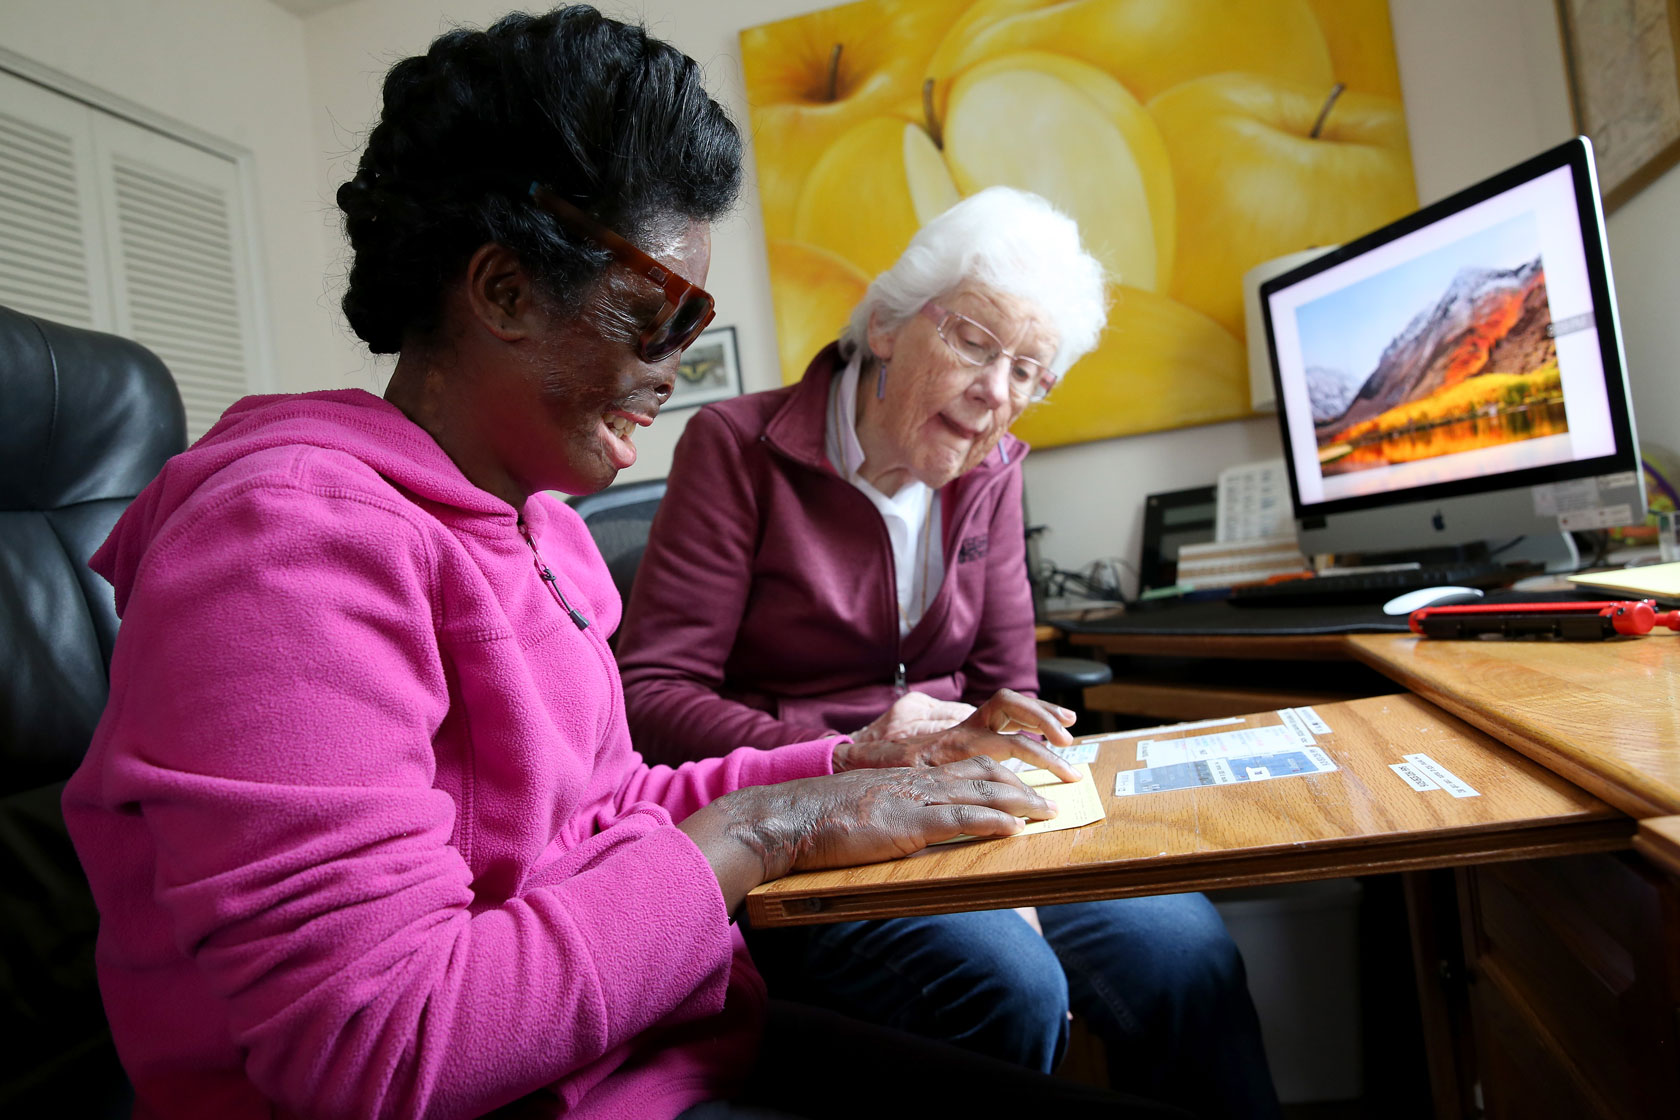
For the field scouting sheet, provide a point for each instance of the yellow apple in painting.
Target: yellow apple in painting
(815, 294)
(1264, 168)
(1149, 45)
(871, 191)
(1069, 132)
(811, 78)
(1361, 44)
(1159, 365)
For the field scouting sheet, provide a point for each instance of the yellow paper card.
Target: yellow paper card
(1078, 803)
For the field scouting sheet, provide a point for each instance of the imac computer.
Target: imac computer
(1456, 378)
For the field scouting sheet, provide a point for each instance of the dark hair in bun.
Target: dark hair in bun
(611, 118)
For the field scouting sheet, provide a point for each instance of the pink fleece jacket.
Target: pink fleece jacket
(362, 816)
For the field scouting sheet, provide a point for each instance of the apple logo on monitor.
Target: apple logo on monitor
(1439, 522)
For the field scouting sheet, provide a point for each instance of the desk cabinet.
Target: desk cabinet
(1572, 984)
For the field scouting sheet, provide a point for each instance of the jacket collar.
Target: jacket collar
(798, 427)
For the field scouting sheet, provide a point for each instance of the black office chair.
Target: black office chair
(619, 518)
(87, 421)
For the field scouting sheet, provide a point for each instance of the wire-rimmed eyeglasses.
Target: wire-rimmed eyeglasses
(1029, 379)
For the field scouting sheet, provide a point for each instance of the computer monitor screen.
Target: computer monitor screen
(1457, 376)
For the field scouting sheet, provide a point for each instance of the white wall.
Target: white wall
(1484, 88)
(235, 69)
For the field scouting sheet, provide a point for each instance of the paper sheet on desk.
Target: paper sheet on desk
(1654, 581)
(1222, 771)
(1078, 803)
(1223, 744)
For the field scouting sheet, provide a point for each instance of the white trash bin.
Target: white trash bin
(1300, 943)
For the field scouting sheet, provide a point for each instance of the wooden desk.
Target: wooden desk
(1658, 840)
(1360, 819)
(1549, 982)
(1605, 715)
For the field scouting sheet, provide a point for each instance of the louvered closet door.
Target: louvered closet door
(181, 284)
(52, 260)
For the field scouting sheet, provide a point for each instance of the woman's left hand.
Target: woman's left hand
(992, 731)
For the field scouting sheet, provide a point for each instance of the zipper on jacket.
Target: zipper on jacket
(899, 677)
(548, 578)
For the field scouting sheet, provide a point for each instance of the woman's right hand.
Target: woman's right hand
(760, 833)
(914, 713)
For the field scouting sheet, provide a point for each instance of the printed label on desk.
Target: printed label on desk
(1077, 753)
(1222, 744)
(1297, 726)
(1220, 772)
(1312, 720)
(1414, 777)
(1441, 776)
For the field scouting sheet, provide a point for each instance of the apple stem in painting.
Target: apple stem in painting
(1330, 101)
(834, 73)
(934, 131)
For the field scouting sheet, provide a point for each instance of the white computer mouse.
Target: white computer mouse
(1430, 597)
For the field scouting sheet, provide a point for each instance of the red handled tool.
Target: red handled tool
(1568, 621)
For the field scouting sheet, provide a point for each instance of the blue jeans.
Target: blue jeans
(1157, 979)
(817, 1065)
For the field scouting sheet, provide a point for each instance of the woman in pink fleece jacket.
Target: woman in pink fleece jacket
(365, 825)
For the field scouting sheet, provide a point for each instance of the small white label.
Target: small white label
(1221, 770)
(1603, 517)
(1555, 498)
(1123, 783)
(1258, 773)
(1441, 776)
(1297, 726)
(1312, 720)
(1413, 776)
(1319, 759)
(1617, 481)
(1077, 753)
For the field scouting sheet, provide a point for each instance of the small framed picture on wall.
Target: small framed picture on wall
(709, 371)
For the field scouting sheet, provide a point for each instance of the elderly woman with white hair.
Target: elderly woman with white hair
(847, 554)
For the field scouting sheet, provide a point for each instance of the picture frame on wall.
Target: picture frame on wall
(1622, 61)
(710, 370)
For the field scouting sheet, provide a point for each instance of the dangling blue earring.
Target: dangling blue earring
(881, 381)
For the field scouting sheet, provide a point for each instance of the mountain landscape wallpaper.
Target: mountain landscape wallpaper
(1475, 366)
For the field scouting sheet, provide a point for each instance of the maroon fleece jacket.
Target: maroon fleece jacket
(764, 609)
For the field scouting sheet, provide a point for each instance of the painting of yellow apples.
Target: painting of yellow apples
(1190, 139)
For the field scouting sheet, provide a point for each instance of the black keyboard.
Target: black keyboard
(1368, 587)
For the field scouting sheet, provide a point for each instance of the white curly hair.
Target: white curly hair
(1008, 240)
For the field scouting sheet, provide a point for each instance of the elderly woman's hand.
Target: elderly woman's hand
(991, 731)
(914, 713)
(761, 833)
